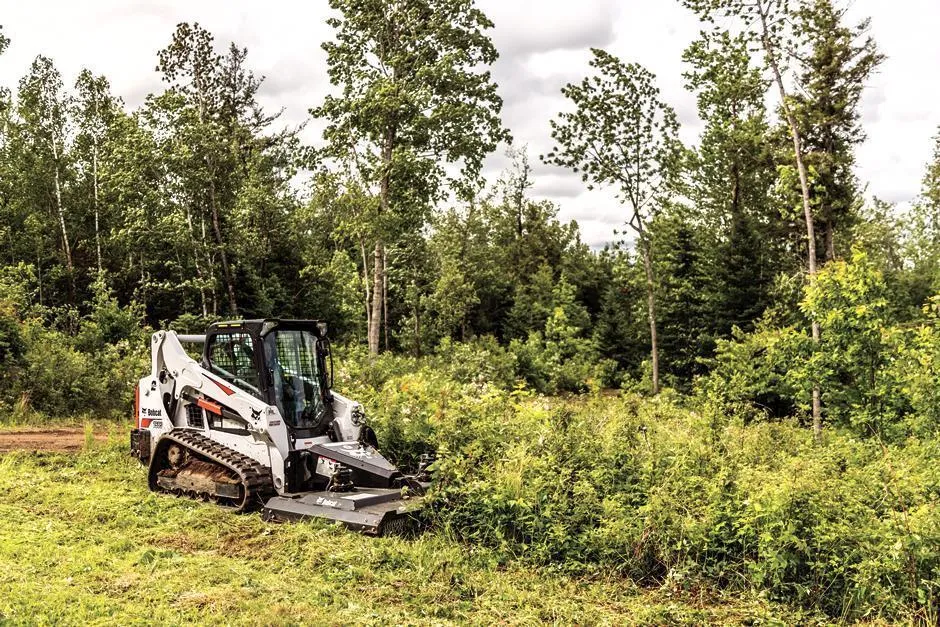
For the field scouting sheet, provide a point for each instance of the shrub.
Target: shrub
(669, 495)
(90, 371)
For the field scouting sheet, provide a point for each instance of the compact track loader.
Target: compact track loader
(257, 425)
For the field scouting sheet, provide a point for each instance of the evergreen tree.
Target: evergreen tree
(731, 177)
(834, 71)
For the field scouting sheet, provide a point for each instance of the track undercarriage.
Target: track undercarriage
(189, 464)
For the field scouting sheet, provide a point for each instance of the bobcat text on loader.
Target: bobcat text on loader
(256, 424)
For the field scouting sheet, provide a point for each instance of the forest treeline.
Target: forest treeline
(754, 254)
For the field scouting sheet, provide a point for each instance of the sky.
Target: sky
(543, 45)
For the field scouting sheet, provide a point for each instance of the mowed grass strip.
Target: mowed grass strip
(82, 540)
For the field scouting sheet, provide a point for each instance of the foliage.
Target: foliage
(623, 135)
(563, 357)
(664, 494)
(839, 61)
(53, 372)
(413, 99)
(200, 205)
(875, 370)
(144, 558)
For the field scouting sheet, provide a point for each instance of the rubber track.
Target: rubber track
(255, 478)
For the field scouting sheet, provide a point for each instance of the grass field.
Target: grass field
(83, 541)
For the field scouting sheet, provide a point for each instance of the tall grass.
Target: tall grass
(82, 541)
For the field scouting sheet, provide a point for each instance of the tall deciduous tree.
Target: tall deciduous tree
(769, 24)
(623, 135)
(415, 94)
(836, 61)
(42, 107)
(95, 111)
(193, 68)
(6, 161)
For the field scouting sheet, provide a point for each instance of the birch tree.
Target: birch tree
(94, 112)
(769, 25)
(42, 109)
(415, 94)
(622, 134)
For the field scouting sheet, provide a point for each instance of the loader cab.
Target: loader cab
(285, 363)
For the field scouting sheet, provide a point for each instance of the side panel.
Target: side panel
(185, 381)
(151, 413)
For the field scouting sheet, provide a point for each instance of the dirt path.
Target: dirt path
(64, 440)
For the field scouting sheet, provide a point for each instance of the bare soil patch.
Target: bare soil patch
(63, 440)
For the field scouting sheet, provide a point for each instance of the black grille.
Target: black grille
(194, 417)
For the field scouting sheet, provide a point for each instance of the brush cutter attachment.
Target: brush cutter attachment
(373, 511)
(365, 492)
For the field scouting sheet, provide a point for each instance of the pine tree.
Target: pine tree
(834, 71)
(731, 177)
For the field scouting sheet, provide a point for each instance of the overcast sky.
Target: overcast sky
(543, 45)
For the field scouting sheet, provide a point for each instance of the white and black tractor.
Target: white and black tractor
(256, 425)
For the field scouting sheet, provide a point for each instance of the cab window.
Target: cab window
(231, 356)
(292, 358)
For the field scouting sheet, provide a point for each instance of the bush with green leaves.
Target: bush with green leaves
(563, 357)
(868, 367)
(86, 366)
(657, 490)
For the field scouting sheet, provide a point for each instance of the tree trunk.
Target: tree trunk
(365, 282)
(217, 230)
(217, 223)
(378, 278)
(804, 187)
(417, 313)
(830, 236)
(94, 176)
(143, 282)
(39, 271)
(94, 179)
(375, 317)
(646, 253)
(202, 285)
(385, 295)
(66, 248)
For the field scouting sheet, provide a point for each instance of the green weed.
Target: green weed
(83, 541)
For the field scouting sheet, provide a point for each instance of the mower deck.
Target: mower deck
(374, 511)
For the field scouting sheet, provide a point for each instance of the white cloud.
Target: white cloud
(543, 45)
(525, 27)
